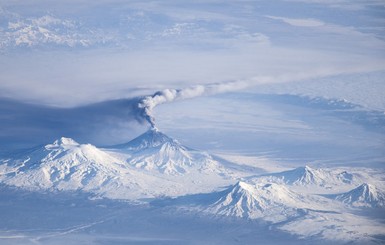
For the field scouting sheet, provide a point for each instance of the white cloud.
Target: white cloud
(167, 44)
(350, 5)
(45, 30)
(68, 79)
(337, 37)
(299, 22)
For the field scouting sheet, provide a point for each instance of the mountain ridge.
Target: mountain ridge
(364, 195)
(308, 176)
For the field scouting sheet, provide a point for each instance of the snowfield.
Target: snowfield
(155, 172)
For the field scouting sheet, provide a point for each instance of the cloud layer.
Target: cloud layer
(61, 53)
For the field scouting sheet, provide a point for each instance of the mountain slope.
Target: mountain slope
(269, 201)
(365, 195)
(152, 138)
(152, 165)
(67, 165)
(307, 176)
(155, 151)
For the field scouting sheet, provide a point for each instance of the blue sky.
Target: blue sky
(80, 55)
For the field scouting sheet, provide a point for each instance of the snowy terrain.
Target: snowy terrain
(149, 166)
(192, 122)
(155, 173)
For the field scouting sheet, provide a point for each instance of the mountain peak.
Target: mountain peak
(63, 141)
(267, 200)
(240, 185)
(155, 151)
(302, 176)
(152, 138)
(365, 195)
(366, 186)
(305, 170)
(366, 191)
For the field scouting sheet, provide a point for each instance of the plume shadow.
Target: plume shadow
(25, 125)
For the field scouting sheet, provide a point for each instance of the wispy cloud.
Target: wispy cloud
(345, 4)
(299, 22)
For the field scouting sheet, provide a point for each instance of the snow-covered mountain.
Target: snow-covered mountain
(156, 167)
(152, 138)
(307, 176)
(365, 195)
(268, 201)
(68, 165)
(151, 165)
(155, 151)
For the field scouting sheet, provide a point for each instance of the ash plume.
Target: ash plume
(148, 103)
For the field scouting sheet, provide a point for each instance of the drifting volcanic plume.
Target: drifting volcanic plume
(148, 103)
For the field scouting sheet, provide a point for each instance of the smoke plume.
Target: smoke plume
(148, 103)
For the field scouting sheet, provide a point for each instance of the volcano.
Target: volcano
(68, 165)
(365, 195)
(155, 151)
(307, 176)
(268, 201)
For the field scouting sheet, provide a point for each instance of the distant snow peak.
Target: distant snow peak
(68, 165)
(302, 176)
(154, 150)
(305, 176)
(268, 201)
(153, 138)
(365, 195)
(63, 141)
(237, 201)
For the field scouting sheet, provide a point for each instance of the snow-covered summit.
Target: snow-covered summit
(307, 176)
(269, 201)
(153, 150)
(302, 176)
(62, 142)
(64, 165)
(152, 138)
(50, 151)
(114, 173)
(365, 195)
